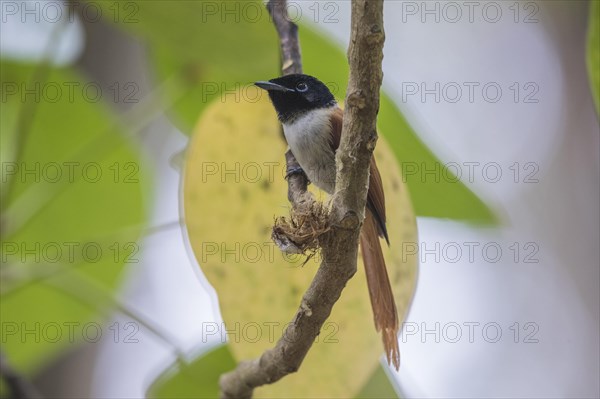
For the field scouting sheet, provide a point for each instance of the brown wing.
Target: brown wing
(376, 200)
(336, 119)
(375, 196)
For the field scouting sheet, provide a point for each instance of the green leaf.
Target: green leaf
(444, 198)
(593, 51)
(210, 48)
(65, 217)
(378, 387)
(199, 379)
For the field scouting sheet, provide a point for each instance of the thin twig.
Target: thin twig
(291, 58)
(340, 244)
(291, 62)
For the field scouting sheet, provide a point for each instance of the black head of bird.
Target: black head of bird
(294, 95)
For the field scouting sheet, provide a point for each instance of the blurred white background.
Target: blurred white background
(555, 220)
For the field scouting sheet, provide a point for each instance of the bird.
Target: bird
(312, 126)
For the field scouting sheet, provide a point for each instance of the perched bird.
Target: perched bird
(312, 125)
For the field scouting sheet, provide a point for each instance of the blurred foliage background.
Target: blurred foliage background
(106, 204)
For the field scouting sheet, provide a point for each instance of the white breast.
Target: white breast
(310, 141)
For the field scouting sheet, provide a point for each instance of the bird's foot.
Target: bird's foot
(294, 171)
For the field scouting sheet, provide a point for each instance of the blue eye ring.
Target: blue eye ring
(301, 87)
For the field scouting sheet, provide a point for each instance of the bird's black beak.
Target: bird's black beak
(271, 86)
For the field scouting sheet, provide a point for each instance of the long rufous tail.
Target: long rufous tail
(380, 289)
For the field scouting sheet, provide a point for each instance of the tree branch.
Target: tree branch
(291, 62)
(339, 246)
(291, 59)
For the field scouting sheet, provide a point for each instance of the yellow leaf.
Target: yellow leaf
(233, 188)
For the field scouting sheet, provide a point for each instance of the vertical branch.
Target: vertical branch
(291, 62)
(359, 134)
(291, 59)
(340, 244)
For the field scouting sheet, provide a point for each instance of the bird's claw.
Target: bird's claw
(293, 171)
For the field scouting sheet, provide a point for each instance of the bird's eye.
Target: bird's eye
(301, 87)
